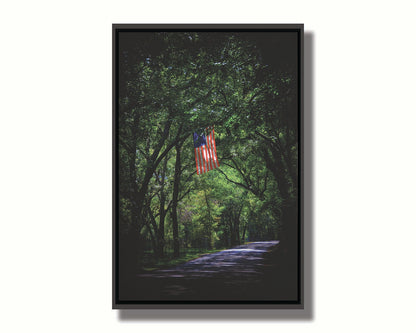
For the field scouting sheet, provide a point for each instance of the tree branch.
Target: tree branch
(183, 196)
(232, 181)
(247, 180)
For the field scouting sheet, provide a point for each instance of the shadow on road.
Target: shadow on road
(257, 271)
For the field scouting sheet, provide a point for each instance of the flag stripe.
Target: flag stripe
(196, 162)
(203, 159)
(210, 157)
(212, 151)
(215, 147)
(214, 158)
(201, 168)
(199, 161)
(207, 155)
(204, 149)
(201, 164)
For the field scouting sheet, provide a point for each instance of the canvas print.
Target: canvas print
(207, 128)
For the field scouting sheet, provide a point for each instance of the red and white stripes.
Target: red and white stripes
(206, 155)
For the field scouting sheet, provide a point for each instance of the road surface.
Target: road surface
(246, 272)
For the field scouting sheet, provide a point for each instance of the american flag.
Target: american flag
(205, 150)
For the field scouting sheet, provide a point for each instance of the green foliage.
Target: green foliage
(171, 84)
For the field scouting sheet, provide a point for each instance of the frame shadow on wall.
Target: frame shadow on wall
(306, 314)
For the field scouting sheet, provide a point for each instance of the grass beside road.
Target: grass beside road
(150, 263)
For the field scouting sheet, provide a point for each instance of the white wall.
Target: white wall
(55, 174)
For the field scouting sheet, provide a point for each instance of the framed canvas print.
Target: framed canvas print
(207, 160)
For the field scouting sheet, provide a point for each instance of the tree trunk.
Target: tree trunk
(153, 234)
(162, 213)
(209, 236)
(233, 228)
(175, 195)
(243, 238)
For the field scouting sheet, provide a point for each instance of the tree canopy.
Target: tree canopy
(169, 85)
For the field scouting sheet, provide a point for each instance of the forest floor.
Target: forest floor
(252, 272)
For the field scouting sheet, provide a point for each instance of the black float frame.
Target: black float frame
(116, 302)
